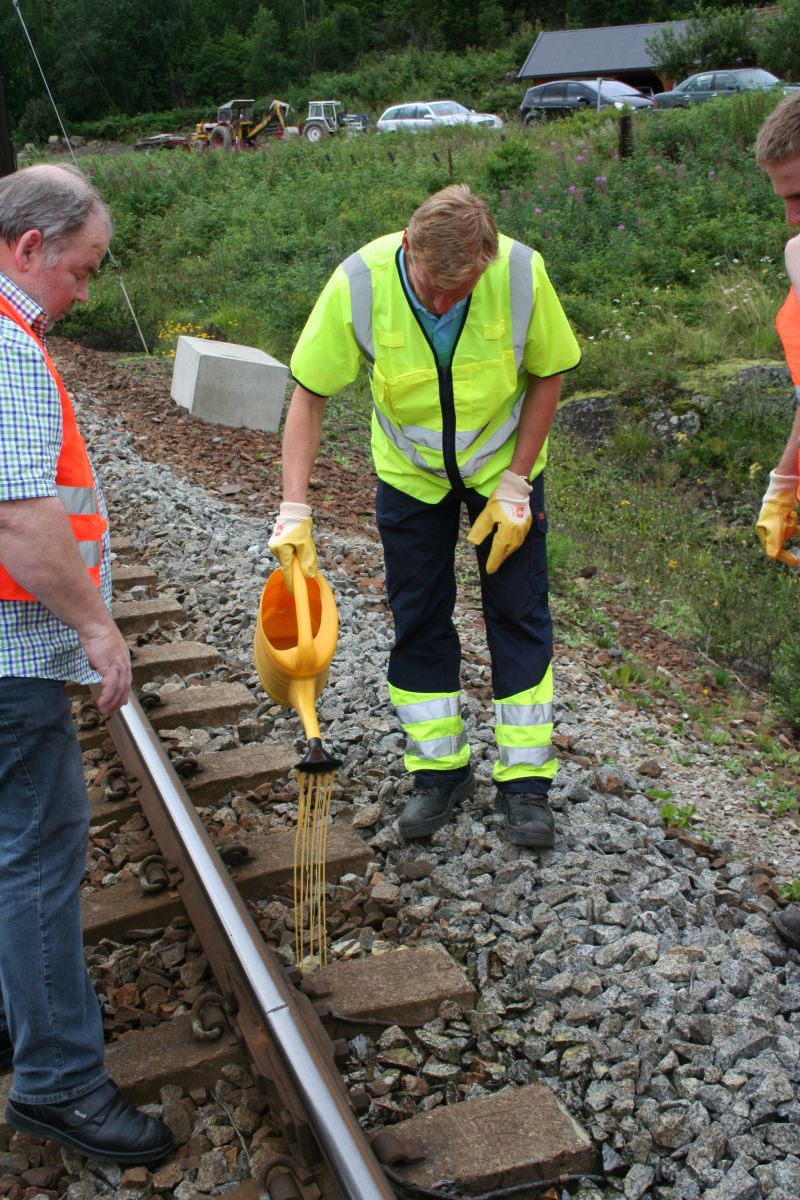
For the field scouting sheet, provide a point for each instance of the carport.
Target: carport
(611, 52)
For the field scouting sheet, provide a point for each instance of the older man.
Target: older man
(54, 626)
(465, 343)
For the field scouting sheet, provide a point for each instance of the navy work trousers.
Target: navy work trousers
(419, 543)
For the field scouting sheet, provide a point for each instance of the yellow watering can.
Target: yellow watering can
(295, 640)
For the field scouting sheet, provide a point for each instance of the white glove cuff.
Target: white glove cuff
(778, 484)
(512, 488)
(292, 511)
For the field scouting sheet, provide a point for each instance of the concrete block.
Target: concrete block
(226, 384)
(518, 1136)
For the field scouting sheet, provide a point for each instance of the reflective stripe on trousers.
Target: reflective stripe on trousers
(523, 732)
(434, 730)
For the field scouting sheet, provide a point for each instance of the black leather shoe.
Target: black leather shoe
(100, 1125)
(431, 808)
(787, 924)
(529, 819)
(6, 1049)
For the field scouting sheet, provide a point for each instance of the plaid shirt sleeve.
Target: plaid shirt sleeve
(30, 418)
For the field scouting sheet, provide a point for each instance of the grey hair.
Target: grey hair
(55, 200)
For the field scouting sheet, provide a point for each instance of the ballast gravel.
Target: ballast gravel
(642, 981)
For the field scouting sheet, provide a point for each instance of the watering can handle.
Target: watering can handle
(305, 637)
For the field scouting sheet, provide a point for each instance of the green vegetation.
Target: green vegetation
(192, 54)
(675, 817)
(719, 36)
(669, 264)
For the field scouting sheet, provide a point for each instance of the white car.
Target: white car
(428, 114)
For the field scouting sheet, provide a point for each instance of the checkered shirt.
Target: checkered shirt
(32, 641)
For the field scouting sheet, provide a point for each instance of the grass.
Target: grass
(669, 264)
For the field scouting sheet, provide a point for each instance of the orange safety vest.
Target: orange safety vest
(74, 481)
(787, 323)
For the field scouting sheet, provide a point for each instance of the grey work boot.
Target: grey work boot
(431, 808)
(529, 819)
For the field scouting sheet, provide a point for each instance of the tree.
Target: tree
(776, 40)
(269, 61)
(335, 41)
(713, 38)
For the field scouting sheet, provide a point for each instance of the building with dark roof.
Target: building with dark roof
(614, 52)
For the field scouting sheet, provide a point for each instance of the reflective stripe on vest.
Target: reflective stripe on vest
(74, 481)
(407, 439)
(520, 262)
(78, 500)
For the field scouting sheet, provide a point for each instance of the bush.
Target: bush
(786, 679)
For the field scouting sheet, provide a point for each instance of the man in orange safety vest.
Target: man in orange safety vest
(55, 626)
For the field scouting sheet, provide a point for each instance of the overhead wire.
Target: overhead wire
(68, 141)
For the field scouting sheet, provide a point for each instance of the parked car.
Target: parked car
(563, 96)
(428, 114)
(162, 141)
(705, 85)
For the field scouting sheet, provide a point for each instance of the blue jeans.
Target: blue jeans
(48, 1002)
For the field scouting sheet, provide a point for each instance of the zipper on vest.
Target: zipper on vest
(448, 407)
(447, 402)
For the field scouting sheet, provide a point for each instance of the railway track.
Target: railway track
(167, 865)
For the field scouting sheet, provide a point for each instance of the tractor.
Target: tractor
(236, 126)
(325, 116)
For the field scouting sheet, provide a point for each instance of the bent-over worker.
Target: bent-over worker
(465, 341)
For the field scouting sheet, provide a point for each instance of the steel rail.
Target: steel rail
(340, 1138)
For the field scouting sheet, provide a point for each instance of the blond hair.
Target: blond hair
(779, 136)
(453, 235)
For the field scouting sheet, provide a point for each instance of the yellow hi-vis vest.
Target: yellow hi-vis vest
(787, 323)
(437, 427)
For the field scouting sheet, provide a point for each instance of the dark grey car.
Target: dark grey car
(707, 85)
(563, 96)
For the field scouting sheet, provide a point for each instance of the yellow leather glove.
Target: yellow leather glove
(508, 513)
(292, 536)
(777, 521)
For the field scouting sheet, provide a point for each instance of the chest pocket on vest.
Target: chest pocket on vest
(483, 390)
(409, 398)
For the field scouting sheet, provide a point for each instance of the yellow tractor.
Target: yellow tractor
(237, 127)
